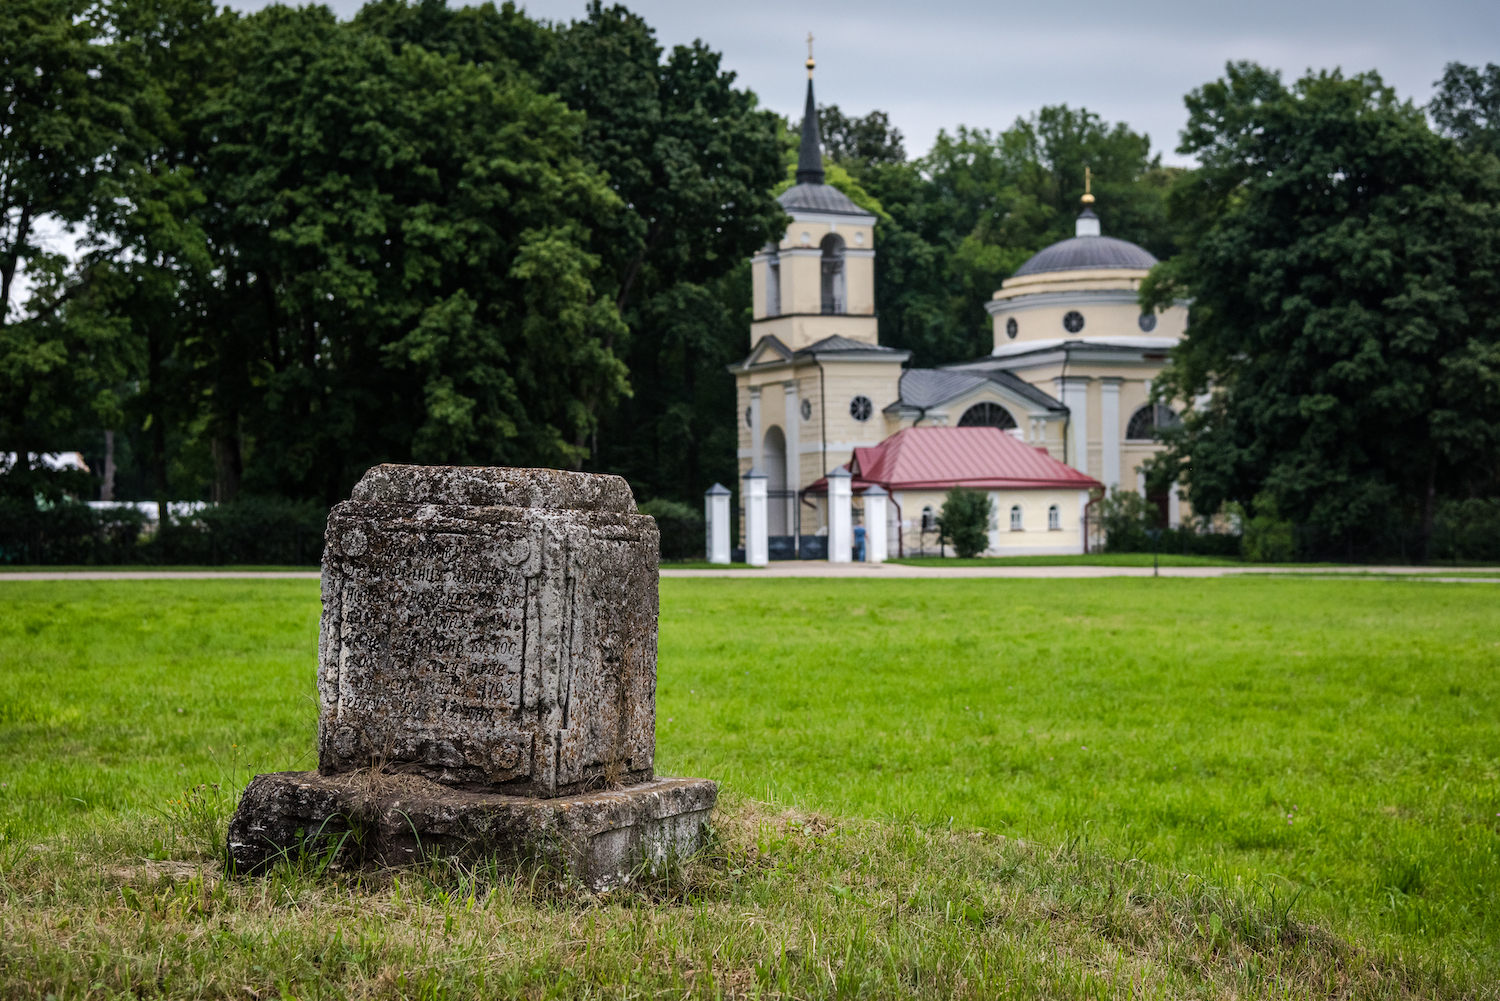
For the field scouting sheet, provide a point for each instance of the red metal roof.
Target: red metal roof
(940, 458)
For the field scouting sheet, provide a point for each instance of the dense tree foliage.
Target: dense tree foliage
(1467, 106)
(1343, 261)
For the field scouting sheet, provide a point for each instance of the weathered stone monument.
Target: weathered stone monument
(487, 682)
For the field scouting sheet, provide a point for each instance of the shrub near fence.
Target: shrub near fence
(247, 531)
(681, 528)
(1126, 520)
(67, 532)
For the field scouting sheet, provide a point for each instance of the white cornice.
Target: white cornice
(1054, 300)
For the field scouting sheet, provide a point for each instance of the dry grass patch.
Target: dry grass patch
(783, 905)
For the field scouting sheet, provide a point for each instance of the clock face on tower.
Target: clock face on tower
(1073, 321)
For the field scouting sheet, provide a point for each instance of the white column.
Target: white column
(1109, 430)
(840, 517)
(1073, 390)
(1174, 508)
(755, 518)
(793, 453)
(716, 523)
(877, 546)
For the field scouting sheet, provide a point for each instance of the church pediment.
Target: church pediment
(768, 351)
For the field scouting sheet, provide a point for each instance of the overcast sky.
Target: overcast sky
(937, 65)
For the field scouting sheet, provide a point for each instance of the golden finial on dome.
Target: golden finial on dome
(810, 63)
(1088, 198)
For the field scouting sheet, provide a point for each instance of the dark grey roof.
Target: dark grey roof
(839, 343)
(1087, 252)
(929, 387)
(818, 198)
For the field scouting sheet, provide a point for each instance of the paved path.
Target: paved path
(887, 571)
(814, 568)
(161, 575)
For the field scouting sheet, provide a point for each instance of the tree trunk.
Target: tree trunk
(1429, 511)
(227, 468)
(107, 488)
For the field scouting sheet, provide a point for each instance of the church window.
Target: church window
(929, 519)
(773, 288)
(1147, 322)
(1012, 328)
(987, 415)
(807, 239)
(859, 238)
(834, 294)
(1015, 517)
(860, 408)
(1073, 321)
(807, 410)
(1054, 519)
(1146, 421)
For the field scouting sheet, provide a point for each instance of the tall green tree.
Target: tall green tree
(694, 159)
(58, 126)
(1343, 261)
(410, 235)
(1467, 106)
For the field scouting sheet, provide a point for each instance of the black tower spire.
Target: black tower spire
(810, 155)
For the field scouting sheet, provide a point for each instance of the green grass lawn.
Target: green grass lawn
(1329, 740)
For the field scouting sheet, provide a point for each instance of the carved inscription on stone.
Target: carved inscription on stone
(489, 645)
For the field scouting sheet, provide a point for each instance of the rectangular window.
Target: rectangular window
(773, 288)
(1015, 518)
(1054, 519)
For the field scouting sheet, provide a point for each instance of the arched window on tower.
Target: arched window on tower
(835, 293)
(987, 415)
(773, 286)
(1145, 422)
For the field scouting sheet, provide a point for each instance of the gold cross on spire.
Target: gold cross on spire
(810, 62)
(1088, 197)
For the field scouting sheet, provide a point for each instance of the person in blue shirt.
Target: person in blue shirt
(859, 543)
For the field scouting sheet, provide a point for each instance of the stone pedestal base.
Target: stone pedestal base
(371, 818)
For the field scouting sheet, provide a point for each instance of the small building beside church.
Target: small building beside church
(1068, 378)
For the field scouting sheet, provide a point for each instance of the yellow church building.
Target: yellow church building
(1070, 371)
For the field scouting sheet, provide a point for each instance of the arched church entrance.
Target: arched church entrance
(773, 454)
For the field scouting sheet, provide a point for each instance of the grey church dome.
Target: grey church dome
(1087, 252)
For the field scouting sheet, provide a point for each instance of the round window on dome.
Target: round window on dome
(860, 408)
(1148, 322)
(1073, 321)
(1012, 328)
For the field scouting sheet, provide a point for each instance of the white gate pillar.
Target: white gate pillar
(840, 516)
(877, 546)
(754, 495)
(716, 523)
